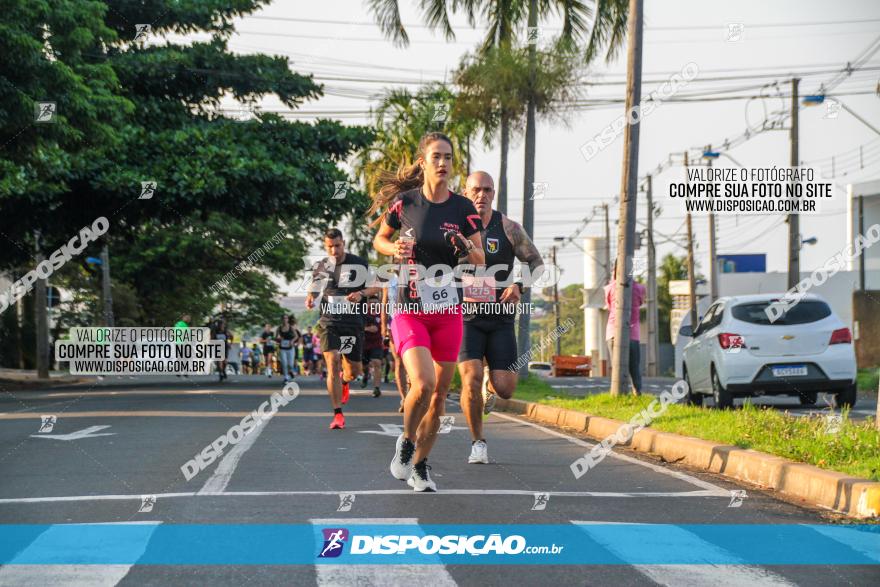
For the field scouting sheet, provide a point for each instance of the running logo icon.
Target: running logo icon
(541, 500)
(45, 111)
(147, 503)
(736, 498)
(346, 500)
(341, 190)
(148, 188)
(141, 31)
(334, 541)
(346, 344)
(47, 423)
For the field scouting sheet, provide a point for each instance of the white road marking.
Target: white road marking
(692, 575)
(483, 492)
(218, 481)
(84, 433)
(349, 575)
(677, 474)
(395, 430)
(82, 575)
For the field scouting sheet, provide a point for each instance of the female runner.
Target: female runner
(437, 227)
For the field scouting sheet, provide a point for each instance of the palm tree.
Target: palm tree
(401, 119)
(505, 18)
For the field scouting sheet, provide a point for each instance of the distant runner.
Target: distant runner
(341, 328)
(268, 340)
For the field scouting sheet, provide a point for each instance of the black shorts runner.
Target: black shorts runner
(331, 340)
(492, 339)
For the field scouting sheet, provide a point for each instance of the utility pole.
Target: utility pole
(713, 259)
(556, 303)
(529, 182)
(653, 340)
(862, 232)
(794, 229)
(40, 314)
(107, 294)
(607, 245)
(629, 196)
(692, 280)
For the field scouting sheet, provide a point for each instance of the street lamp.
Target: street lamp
(809, 241)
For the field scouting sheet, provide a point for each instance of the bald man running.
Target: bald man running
(489, 330)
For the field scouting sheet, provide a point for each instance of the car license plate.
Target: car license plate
(790, 371)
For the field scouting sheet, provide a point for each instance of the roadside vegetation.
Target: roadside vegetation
(839, 445)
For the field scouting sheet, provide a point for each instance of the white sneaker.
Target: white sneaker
(420, 479)
(401, 465)
(479, 453)
(488, 400)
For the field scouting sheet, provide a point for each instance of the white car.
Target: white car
(737, 351)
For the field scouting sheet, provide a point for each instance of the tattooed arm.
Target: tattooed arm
(525, 251)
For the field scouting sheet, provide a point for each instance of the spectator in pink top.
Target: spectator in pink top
(638, 297)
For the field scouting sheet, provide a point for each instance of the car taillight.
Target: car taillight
(727, 341)
(841, 336)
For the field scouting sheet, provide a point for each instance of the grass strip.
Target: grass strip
(845, 446)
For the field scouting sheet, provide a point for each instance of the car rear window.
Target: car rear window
(801, 313)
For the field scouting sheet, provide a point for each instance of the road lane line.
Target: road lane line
(218, 481)
(445, 492)
(692, 575)
(677, 474)
(91, 575)
(352, 575)
(181, 414)
(172, 392)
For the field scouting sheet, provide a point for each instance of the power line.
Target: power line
(647, 27)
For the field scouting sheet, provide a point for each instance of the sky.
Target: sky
(338, 42)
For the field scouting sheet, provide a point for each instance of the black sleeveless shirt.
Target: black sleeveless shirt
(499, 251)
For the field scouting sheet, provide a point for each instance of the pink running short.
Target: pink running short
(440, 332)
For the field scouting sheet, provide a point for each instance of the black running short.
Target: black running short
(377, 353)
(333, 336)
(493, 340)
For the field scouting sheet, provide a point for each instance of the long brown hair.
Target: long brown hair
(406, 178)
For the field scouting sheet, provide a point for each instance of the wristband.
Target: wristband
(519, 284)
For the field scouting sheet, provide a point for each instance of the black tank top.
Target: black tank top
(499, 251)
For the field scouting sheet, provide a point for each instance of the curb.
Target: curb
(851, 496)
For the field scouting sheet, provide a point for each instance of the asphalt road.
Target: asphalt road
(866, 404)
(123, 439)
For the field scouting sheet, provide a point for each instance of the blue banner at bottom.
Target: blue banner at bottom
(353, 543)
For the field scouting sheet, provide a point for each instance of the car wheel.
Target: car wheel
(808, 398)
(723, 398)
(693, 398)
(847, 397)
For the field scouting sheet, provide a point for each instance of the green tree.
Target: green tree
(401, 119)
(151, 113)
(507, 18)
(570, 308)
(672, 268)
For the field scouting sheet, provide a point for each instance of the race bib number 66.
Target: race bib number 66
(435, 296)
